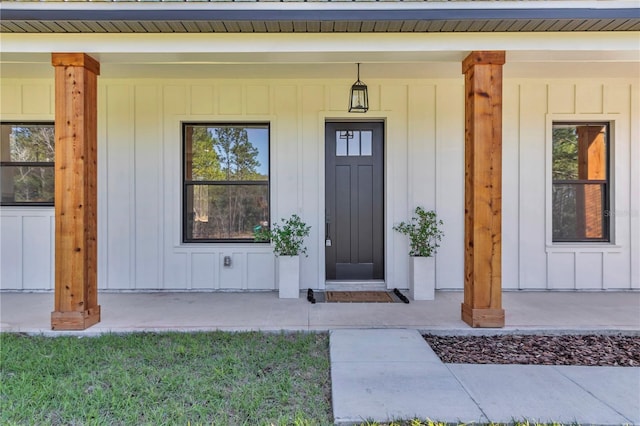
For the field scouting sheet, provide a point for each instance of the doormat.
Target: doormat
(358, 297)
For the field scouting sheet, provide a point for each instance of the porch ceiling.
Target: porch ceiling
(318, 17)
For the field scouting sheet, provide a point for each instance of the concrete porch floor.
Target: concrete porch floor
(527, 312)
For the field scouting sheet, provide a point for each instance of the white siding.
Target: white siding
(26, 248)
(598, 266)
(26, 234)
(449, 164)
(139, 148)
(312, 153)
(531, 188)
(11, 251)
(510, 186)
(530, 107)
(120, 186)
(147, 178)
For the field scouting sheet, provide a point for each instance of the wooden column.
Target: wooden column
(7, 191)
(76, 289)
(592, 165)
(482, 306)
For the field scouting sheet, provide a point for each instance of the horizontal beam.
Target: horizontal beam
(583, 44)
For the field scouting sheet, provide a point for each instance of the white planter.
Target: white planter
(289, 277)
(422, 278)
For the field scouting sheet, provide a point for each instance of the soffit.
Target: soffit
(317, 17)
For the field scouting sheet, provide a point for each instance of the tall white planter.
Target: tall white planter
(289, 277)
(422, 278)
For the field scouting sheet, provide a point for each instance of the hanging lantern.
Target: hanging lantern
(359, 101)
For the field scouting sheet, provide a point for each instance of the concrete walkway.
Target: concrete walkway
(384, 375)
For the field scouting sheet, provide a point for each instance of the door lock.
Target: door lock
(327, 233)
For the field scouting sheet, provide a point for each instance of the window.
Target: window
(226, 181)
(27, 152)
(580, 175)
(353, 143)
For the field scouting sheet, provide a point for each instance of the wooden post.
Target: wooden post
(76, 289)
(7, 173)
(482, 306)
(592, 165)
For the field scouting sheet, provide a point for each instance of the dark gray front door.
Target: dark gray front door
(354, 230)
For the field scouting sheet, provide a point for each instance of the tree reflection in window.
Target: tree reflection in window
(226, 181)
(27, 152)
(580, 182)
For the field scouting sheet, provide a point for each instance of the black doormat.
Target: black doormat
(394, 296)
(358, 297)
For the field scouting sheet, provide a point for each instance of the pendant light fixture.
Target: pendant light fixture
(359, 100)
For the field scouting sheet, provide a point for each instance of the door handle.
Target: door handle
(327, 234)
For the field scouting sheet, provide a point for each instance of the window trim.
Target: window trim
(50, 164)
(185, 183)
(608, 222)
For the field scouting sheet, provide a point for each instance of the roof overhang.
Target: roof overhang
(321, 16)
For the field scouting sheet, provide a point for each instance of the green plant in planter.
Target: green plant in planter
(287, 237)
(424, 232)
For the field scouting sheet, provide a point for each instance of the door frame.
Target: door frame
(323, 119)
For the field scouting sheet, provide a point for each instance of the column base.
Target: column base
(483, 318)
(75, 320)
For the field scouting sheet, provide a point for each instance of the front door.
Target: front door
(354, 193)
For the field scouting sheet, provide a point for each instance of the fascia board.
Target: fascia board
(317, 5)
(316, 11)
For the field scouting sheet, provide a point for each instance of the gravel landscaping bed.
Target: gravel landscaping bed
(589, 350)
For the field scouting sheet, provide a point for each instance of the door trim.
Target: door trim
(391, 120)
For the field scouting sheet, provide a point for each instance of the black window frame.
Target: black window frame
(46, 164)
(187, 183)
(605, 183)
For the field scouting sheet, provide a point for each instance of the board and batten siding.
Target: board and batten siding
(530, 259)
(139, 180)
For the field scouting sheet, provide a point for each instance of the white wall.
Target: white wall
(530, 260)
(26, 234)
(139, 154)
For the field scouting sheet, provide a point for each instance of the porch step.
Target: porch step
(377, 285)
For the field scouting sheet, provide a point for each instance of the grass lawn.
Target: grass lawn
(166, 378)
